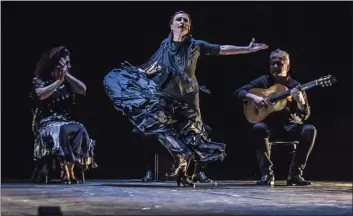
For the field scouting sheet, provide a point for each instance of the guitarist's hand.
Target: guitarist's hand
(259, 102)
(297, 96)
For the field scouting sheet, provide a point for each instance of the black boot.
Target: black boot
(265, 165)
(267, 178)
(148, 177)
(199, 174)
(295, 176)
(298, 180)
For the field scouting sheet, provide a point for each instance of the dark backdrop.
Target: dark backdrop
(317, 35)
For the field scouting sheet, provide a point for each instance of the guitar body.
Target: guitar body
(253, 114)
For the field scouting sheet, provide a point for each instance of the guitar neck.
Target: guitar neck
(285, 94)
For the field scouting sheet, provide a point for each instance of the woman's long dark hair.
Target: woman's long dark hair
(49, 60)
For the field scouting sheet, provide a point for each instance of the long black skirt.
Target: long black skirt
(69, 140)
(168, 119)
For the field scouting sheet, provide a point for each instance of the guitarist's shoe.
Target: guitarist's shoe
(298, 181)
(295, 176)
(267, 179)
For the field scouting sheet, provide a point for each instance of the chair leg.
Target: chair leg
(49, 166)
(36, 170)
(83, 176)
(156, 167)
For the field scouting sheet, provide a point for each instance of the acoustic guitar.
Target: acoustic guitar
(277, 97)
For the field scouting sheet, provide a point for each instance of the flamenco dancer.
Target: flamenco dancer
(161, 97)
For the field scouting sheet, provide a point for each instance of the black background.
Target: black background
(317, 35)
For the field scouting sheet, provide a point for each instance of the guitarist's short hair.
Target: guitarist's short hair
(280, 53)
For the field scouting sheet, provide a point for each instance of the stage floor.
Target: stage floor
(133, 197)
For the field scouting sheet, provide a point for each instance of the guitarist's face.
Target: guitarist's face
(278, 67)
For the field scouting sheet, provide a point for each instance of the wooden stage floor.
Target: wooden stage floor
(133, 197)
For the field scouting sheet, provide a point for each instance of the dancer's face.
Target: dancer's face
(181, 24)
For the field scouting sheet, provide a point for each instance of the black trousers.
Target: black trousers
(263, 133)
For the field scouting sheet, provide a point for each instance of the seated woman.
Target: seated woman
(53, 93)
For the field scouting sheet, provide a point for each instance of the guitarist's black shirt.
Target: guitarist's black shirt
(289, 115)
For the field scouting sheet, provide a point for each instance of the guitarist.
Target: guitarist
(287, 124)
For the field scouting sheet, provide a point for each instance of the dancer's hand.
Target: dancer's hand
(155, 67)
(253, 47)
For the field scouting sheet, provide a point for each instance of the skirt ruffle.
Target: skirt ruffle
(168, 119)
